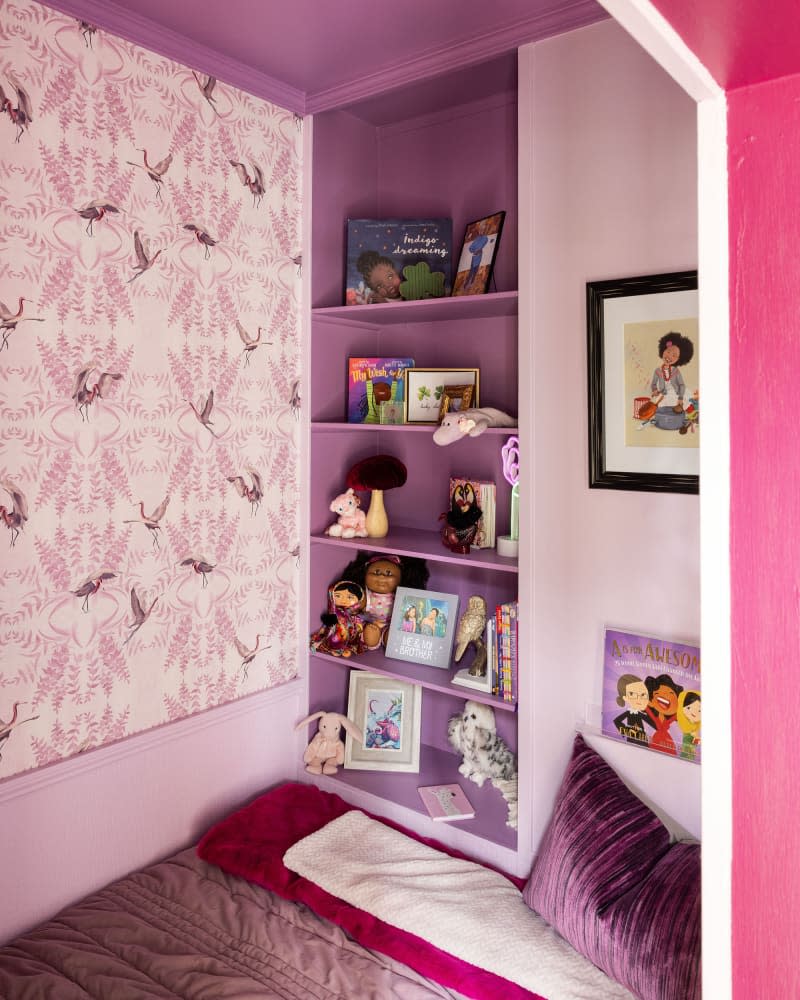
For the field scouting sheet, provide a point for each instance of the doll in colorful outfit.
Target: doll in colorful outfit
(382, 575)
(342, 629)
(667, 386)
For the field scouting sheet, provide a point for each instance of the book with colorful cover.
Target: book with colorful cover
(396, 260)
(485, 493)
(372, 381)
(446, 803)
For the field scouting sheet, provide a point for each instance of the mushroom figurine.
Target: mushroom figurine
(377, 474)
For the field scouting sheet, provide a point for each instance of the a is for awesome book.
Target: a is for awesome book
(446, 803)
(372, 381)
(396, 260)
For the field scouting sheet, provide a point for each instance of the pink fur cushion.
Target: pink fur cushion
(251, 843)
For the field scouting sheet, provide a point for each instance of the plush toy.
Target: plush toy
(462, 520)
(484, 754)
(326, 751)
(352, 522)
(381, 575)
(342, 629)
(472, 423)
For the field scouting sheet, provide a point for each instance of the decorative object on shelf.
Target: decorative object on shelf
(462, 519)
(455, 398)
(446, 803)
(478, 253)
(388, 711)
(384, 258)
(425, 388)
(484, 492)
(470, 423)
(371, 382)
(643, 342)
(392, 413)
(326, 752)
(484, 754)
(470, 632)
(377, 473)
(508, 545)
(651, 693)
(342, 629)
(422, 627)
(351, 521)
(381, 575)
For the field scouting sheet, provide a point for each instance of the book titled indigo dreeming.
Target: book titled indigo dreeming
(396, 260)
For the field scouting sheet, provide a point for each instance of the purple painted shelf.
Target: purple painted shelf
(438, 767)
(432, 678)
(426, 545)
(329, 427)
(461, 307)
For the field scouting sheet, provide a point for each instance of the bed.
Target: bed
(299, 895)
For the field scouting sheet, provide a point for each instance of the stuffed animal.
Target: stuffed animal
(472, 423)
(326, 751)
(352, 522)
(484, 754)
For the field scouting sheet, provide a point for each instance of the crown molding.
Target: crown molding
(436, 62)
(109, 16)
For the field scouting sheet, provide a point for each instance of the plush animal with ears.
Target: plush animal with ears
(484, 754)
(470, 423)
(326, 751)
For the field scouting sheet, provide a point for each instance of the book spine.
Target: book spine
(513, 649)
(498, 631)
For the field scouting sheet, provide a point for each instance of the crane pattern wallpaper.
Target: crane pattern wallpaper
(149, 389)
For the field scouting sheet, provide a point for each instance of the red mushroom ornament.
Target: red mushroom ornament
(377, 474)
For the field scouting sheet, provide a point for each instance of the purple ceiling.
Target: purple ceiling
(309, 55)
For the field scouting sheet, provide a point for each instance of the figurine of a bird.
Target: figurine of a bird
(470, 630)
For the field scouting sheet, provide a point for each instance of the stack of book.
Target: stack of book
(501, 649)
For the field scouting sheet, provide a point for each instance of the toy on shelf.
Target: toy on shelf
(508, 545)
(342, 629)
(462, 520)
(484, 754)
(351, 522)
(381, 575)
(377, 474)
(471, 627)
(325, 752)
(470, 423)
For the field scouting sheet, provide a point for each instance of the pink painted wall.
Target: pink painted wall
(162, 318)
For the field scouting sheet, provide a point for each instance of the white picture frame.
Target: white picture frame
(389, 713)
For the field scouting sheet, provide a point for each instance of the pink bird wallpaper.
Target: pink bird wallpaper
(149, 389)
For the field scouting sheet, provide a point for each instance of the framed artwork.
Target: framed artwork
(644, 383)
(478, 253)
(422, 627)
(388, 712)
(455, 398)
(425, 389)
(651, 693)
(392, 413)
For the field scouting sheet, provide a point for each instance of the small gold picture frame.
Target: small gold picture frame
(454, 398)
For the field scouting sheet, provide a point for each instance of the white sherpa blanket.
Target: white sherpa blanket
(457, 906)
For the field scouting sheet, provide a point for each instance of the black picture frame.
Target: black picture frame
(604, 336)
(475, 264)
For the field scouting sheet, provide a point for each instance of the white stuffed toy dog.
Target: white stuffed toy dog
(484, 754)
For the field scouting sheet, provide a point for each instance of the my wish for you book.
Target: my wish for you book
(371, 382)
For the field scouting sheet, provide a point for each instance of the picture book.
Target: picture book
(395, 260)
(465, 493)
(371, 382)
(651, 693)
(422, 627)
(446, 803)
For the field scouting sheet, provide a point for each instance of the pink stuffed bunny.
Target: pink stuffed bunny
(352, 522)
(326, 751)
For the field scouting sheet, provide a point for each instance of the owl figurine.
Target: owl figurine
(470, 630)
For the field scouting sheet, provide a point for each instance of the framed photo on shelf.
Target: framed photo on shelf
(644, 383)
(422, 627)
(425, 389)
(478, 252)
(388, 712)
(455, 398)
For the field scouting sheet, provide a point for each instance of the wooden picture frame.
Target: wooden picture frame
(425, 388)
(455, 397)
(388, 711)
(640, 437)
(475, 264)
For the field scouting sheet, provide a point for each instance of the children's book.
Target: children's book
(482, 493)
(372, 381)
(446, 803)
(396, 260)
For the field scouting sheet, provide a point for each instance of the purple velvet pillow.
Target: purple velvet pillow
(650, 938)
(600, 844)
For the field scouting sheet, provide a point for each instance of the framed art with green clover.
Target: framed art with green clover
(426, 388)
